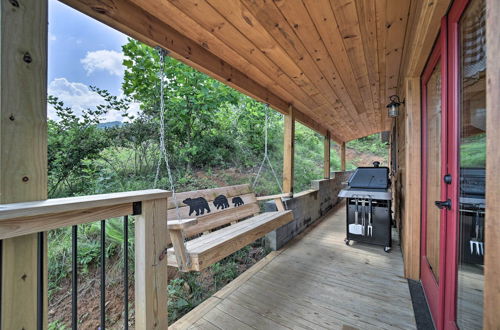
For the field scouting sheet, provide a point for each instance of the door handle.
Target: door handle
(443, 204)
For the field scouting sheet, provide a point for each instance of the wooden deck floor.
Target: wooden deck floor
(315, 282)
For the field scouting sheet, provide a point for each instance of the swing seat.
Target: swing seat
(214, 235)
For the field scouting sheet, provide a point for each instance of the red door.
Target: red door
(453, 115)
(435, 163)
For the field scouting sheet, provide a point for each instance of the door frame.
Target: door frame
(433, 290)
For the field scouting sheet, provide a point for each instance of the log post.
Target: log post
(342, 157)
(151, 279)
(288, 150)
(326, 156)
(23, 156)
(412, 179)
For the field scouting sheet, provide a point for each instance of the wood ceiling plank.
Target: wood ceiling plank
(424, 34)
(346, 17)
(296, 14)
(368, 24)
(323, 18)
(273, 21)
(137, 23)
(212, 21)
(236, 14)
(380, 11)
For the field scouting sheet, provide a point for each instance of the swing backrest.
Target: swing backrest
(217, 217)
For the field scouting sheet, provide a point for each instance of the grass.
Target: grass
(473, 151)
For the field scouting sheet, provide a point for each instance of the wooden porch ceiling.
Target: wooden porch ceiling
(335, 61)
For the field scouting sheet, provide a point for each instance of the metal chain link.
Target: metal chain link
(266, 156)
(163, 151)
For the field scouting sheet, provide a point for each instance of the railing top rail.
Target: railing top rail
(59, 205)
(20, 219)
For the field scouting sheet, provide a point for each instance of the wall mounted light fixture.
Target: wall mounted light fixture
(393, 107)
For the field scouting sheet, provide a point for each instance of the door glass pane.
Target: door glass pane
(472, 165)
(433, 120)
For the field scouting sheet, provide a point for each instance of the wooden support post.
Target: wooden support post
(342, 157)
(23, 152)
(326, 156)
(288, 150)
(151, 243)
(491, 315)
(412, 180)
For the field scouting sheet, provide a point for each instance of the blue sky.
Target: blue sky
(82, 52)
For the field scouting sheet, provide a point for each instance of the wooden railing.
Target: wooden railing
(151, 242)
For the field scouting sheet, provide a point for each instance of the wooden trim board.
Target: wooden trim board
(491, 316)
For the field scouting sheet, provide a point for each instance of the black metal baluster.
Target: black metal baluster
(125, 270)
(103, 275)
(40, 280)
(74, 277)
(1, 272)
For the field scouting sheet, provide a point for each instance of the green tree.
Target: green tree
(196, 106)
(75, 142)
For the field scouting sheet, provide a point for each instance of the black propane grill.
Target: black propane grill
(472, 208)
(368, 204)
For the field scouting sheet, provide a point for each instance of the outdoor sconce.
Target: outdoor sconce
(393, 107)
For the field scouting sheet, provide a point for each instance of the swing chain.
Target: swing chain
(266, 155)
(163, 151)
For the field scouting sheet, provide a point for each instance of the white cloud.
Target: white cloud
(52, 37)
(105, 60)
(78, 96)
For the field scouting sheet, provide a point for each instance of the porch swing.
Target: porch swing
(205, 227)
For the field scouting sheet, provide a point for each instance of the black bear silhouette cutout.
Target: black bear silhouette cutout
(198, 205)
(221, 201)
(237, 201)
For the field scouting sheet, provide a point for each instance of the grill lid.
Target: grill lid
(370, 178)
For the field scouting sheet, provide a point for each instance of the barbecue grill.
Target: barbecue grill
(368, 206)
(472, 210)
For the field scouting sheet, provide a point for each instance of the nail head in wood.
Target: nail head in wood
(27, 58)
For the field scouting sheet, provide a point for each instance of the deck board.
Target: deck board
(315, 282)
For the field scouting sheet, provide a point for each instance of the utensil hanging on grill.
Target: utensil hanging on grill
(355, 228)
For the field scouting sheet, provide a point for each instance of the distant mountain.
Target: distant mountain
(110, 124)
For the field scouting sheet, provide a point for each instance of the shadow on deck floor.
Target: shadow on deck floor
(315, 282)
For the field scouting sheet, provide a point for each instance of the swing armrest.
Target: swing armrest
(181, 224)
(277, 200)
(265, 198)
(176, 231)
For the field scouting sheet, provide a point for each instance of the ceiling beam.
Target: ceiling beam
(140, 25)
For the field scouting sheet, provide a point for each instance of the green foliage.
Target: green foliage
(59, 251)
(372, 143)
(308, 157)
(57, 325)
(74, 142)
(473, 151)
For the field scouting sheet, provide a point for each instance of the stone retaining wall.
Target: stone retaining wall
(307, 206)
